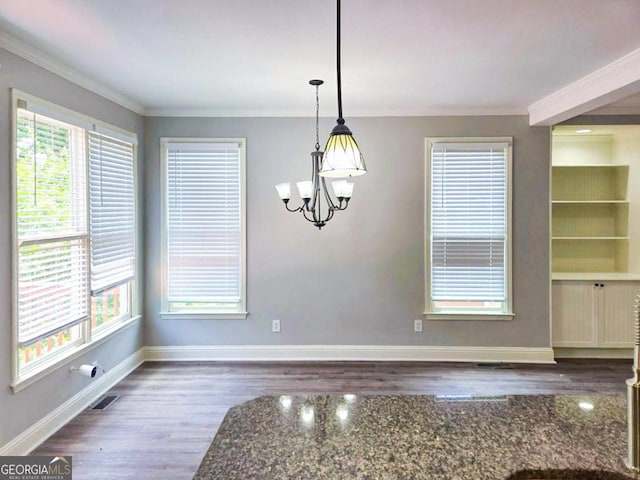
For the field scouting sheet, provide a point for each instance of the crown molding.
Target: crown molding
(437, 112)
(613, 82)
(37, 57)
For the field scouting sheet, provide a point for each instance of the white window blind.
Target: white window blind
(204, 224)
(112, 207)
(469, 222)
(51, 214)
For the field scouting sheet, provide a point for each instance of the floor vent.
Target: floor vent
(494, 365)
(105, 402)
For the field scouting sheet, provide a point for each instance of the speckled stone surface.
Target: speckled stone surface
(421, 437)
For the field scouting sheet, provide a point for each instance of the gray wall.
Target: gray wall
(21, 410)
(361, 279)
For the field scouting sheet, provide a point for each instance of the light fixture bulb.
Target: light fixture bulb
(584, 130)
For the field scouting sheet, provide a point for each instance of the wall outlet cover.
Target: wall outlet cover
(417, 325)
(275, 326)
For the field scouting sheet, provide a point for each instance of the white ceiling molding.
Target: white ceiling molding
(429, 112)
(615, 81)
(53, 65)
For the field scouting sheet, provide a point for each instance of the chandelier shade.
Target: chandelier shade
(342, 156)
(305, 189)
(284, 190)
(342, 189)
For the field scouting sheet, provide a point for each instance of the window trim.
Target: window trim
(89, 340)
(429, 312)
(223, 313)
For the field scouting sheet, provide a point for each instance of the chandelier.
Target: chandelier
(341, 158)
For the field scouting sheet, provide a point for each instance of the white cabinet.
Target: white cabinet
(573, 311)
(616, 302)
(591, 314)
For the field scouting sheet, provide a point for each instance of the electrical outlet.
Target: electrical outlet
(275, 326)
(417, 325)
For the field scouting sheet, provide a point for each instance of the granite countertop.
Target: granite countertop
(421, 437)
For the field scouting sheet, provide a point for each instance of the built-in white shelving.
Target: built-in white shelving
(595, 232)
(590, 209)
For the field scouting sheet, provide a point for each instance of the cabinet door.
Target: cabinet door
(573, 314)
(615, 314)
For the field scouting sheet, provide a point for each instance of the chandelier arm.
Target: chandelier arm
(292, 209)
(315, 200)
(327, 196)
(315, 168)
(318, 200)
(340, 207)
(330, 215)
(304, 214)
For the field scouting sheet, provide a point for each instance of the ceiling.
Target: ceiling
(400, 57)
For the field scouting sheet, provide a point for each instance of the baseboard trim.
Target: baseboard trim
(594, 353)
(28, 440)
(269, 353)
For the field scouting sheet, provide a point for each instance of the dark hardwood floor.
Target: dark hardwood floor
(169, 413)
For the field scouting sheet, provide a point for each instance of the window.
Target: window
(469, 228)
(74, 232)
(204, 234)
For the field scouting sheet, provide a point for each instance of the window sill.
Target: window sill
(468, 316)
(59, 361)
(203, 315)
